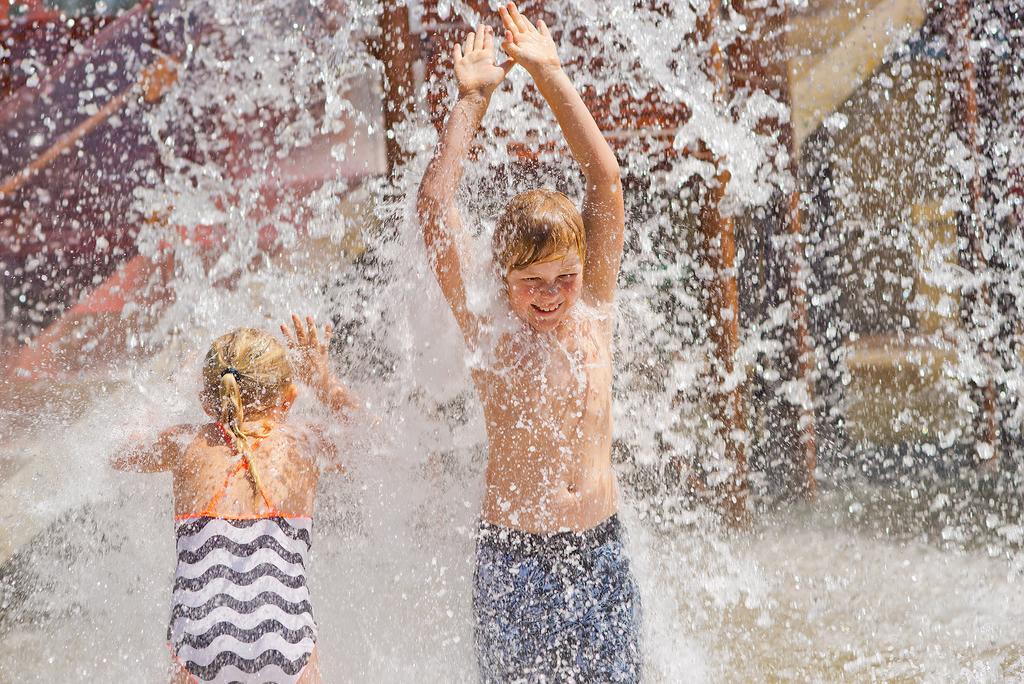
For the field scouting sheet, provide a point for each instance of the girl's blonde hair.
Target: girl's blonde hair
(244, 376)
(536, 225)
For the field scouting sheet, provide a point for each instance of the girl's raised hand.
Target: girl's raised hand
(475, 70)
(528, 45)
(311, 365)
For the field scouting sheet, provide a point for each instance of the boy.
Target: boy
(554, 596)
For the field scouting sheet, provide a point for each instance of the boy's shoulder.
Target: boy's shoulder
(597, 311)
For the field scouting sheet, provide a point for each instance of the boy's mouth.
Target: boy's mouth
(546, 310)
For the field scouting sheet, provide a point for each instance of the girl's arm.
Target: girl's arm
(603, 210)
(477, 76)
(313, 367)
(142, 456)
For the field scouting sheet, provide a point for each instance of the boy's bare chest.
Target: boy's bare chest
(552, 387)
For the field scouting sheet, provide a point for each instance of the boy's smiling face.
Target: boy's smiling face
(543, 293)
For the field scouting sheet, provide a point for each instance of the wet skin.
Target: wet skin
(546, 382)
(547, 404)
(289, 459)
(286, 461)
(199, 458)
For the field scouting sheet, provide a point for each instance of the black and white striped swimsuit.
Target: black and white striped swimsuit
(240, 607)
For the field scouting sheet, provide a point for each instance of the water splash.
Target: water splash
(238, 196)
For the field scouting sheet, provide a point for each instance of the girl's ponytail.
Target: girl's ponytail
(245, 373)
(232, 413)
(232, 417)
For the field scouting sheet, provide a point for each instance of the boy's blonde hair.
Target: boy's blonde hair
(244, 376)
(536, 225)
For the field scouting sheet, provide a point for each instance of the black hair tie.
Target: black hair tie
(232, 371)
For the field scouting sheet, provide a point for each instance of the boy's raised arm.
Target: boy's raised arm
(603, 209)
(477, 76)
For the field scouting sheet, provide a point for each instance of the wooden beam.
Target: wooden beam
(64, 143)
(758, 61)
(153, 81)
(970, 226)
(822, 88)
(722, 304)
(802, 349)
(396, 52)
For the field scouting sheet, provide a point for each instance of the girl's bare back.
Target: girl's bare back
(286, 459)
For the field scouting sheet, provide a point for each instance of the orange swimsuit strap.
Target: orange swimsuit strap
(243, 464)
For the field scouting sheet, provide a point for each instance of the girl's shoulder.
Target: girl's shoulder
(306, 438)
(197, 439)
(298, 433)
(317, 445)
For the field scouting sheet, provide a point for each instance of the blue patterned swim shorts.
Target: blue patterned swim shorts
(556, 608)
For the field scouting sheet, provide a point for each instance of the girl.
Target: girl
(243, 504)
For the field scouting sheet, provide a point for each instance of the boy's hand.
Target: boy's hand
(475, 70)
(528, 45)
(312, 365)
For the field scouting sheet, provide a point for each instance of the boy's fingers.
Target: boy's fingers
(297, 322)
(287, 335)
(467, 45)
(510, 48)
(543, 28)
(457, 52)
(489, 41)
(517, 18)
(506, 20)
(481, 35)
